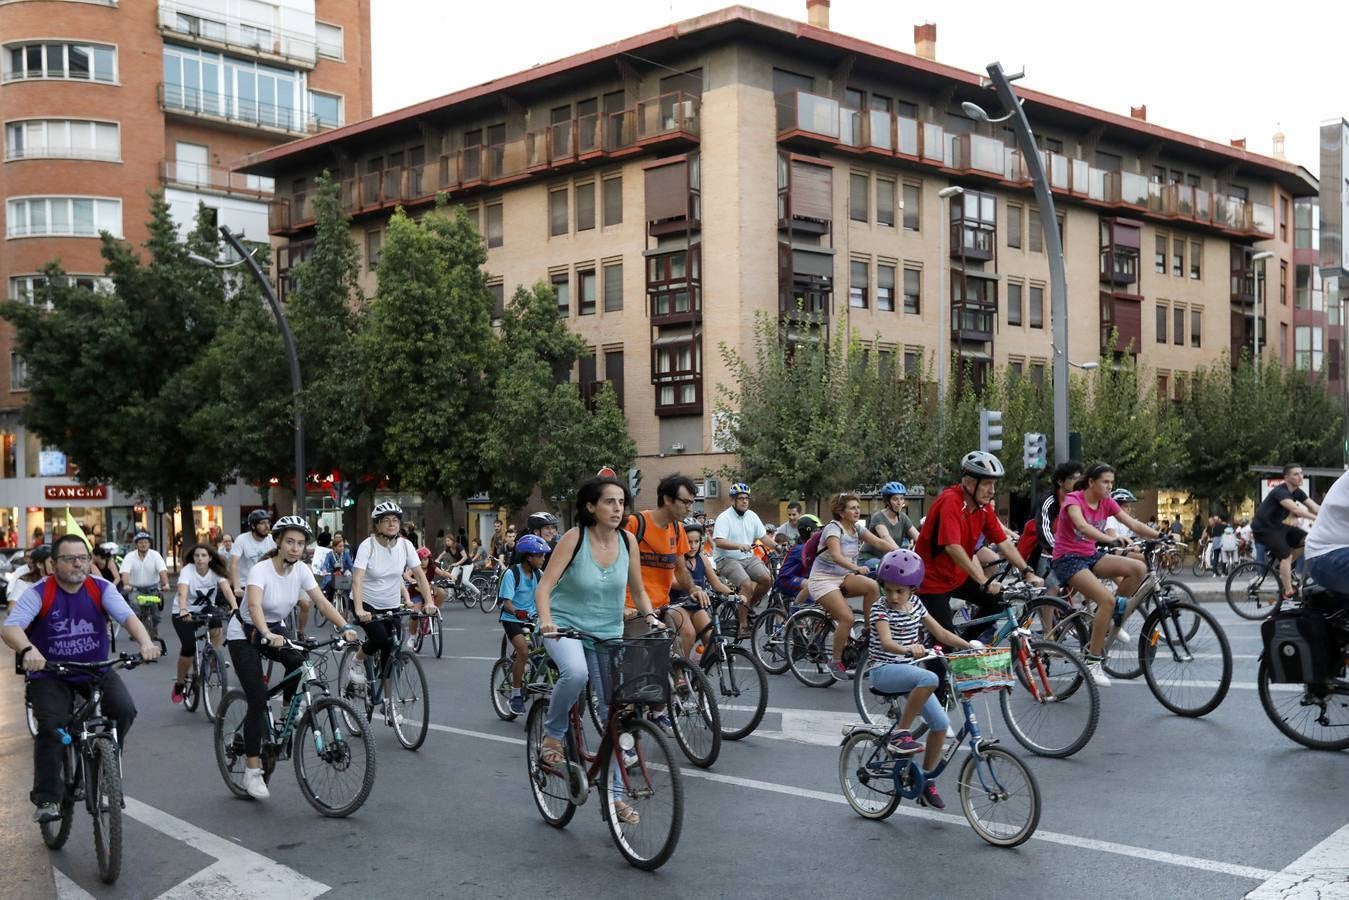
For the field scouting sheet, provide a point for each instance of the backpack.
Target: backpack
(49, 595)
(809, 550)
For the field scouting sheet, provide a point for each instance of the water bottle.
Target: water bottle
(65, 736)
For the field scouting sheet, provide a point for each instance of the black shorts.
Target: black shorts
(984, 603)
(514, 627)
(1282, 541)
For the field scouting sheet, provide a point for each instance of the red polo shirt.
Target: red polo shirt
(950, 521)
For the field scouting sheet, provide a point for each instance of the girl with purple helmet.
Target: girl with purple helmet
(897, 625)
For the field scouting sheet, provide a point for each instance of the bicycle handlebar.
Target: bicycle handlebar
(69, 667)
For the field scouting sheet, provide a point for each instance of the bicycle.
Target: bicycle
(149, 607)
(486, 584)
(323, 735)
(430, 625)
(695, 717)
(740, 680)
(91, 768)
(457, 591)
(1253, 590)
(767, 631)
(539, 668)
(1308, 647)
(207, 680)
(407, 709)
(646, 828)
(809, 638)
(342, 596)
(992, 780)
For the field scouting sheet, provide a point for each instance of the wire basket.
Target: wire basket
(639, 669)
(981, 670)
(342, 583)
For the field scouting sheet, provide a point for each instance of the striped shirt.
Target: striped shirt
(905, 626)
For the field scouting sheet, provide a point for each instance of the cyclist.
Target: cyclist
(947, 542)
(105, 562)
(837, 575)
(734, 535)
(516, 591)
(414, 595)
(223, 551)
(202, 585)
(704, 575)
(275, 585)
(38, 565)
(1078, 561)
(338, 562)
(1113, 526)
(1328, 541)
(1065, 478)
(454, 560)
(71, 627)
(890, 521)
(545, 525)
(792, 576)
(249, 548)
(1284, 541)
(898, 624)
(144, 573)
(582, 588)
(381, 562)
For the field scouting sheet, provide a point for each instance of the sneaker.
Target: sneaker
(904, 744)
(254, 785)
(518, 704)
(1118, 634)
(392, 714)
(663, 722)
(930, 797)
(839, 670)
(630, 759)
(1097, 673)
(177, 694)
(356, 674)
(47, 812)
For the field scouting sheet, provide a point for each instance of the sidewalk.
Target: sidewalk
(28, 869)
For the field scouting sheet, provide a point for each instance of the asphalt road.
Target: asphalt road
(1154, 806)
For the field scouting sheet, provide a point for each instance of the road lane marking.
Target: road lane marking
(67, 889)
(1322, 872)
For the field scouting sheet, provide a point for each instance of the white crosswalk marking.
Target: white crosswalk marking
(1322, 873)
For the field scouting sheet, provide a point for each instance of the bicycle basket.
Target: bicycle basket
(981, 670)
(639, 669)
(342, 583)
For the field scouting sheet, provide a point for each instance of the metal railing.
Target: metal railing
(237, 33)
(196, 175)
(196, 102)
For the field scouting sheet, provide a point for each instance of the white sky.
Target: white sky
(1246, 72)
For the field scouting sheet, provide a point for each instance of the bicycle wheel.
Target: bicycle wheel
(105, 800)
(438, 635)
(873, 708)
(229, 741)
(500, 688)
(652, 793)
(1253, 589)
(741, 687)
(1053, 619)
(466, 597)
(418, 637)
(489, 601)
(334, 763)
(1189, 676)
(409, 700)
(55, 834)
(1314, 715)
(358, 695)
(866, 774)
(694, 714)
(1055, 706)
(1121, 656)
(1173, 592)
(1197, 567)
(768, 640)
(214, 680)
(547, 785)
(810, 643)
(192, 688)
(999, 797)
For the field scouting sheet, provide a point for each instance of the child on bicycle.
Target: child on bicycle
(897, 624)
(704, 574)
(516, 591)
(793, 574)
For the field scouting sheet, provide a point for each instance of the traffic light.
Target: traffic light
(1034, 451)
(990, 430)
(635, 481)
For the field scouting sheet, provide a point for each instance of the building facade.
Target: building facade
(674, 185)
(101, 102)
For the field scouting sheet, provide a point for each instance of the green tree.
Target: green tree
(579, 441)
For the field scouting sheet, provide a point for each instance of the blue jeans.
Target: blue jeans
(576, 664)
(1331, 570)
(901, 678)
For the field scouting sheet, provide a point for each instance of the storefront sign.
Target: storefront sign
(75, 492)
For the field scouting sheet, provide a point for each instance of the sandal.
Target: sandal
(626, 814)
(551, 755)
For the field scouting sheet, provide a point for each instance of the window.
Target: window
(18, 372)
(613, 200)
(1162, 314)
(613, 373)
(374, 243)
(1283, 282)
(495, 216)
(885, 287)
(1036, 234)
(912, 207)
(1196, 327)
(613, 287)
(1308, 355)
(1017, 368)
(62, 216)
(1163, 386)
(1036, 313)
(1306, 216)
(1178, 257)
(1014, 303)
(1196, 254)
(1015, 211)
(329, 40)
(1283, 219)
(562, 288)
(587, 286)
(1178, 335)
(1159, 254)
(326, 109)
(913, 362)
(498, 291)
(62, 138)
(913, 290)
(885, 202)
(859, 187)
(57, 59)
(585, 206)
(1182, 387)
(28, 288)
(243, 90)
(557, 212)
(857, 284)
(1037, 374)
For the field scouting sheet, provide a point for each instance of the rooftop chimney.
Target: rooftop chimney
(817, 13)
(925, 40)
(1239, 143)
(1139, 112)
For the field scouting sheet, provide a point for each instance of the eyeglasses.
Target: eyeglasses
(69, 558)
(685, 500)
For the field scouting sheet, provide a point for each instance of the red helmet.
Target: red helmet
(901, 568)
(423, 553)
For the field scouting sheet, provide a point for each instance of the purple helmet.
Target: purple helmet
(901, 568)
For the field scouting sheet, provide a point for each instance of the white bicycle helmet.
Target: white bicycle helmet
(387, 508)
(291, 523)
(1123, 495)
(980, 464)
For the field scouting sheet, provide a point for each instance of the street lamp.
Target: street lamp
(1255, 350)
(246, 259)
(1053, 245)
(943, 314)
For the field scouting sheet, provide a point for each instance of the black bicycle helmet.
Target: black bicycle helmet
(541, 520)
(258, 515)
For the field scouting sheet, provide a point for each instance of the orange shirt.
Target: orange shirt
(662, 549)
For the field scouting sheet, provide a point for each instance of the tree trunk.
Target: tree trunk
(188, 524)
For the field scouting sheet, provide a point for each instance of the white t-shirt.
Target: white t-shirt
(280, 594)
(1118, 528)
(1330, 531)
(195, 582)
(247, 549)
(382, 586)
(144, 572)
(737, 529)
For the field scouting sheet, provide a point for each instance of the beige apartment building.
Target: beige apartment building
(675, 184)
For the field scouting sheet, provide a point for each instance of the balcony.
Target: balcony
(178, 100)
(213, 29)
(196, 177)
(1120, 243)
(674, 286)
(980, 155)
(973, 322)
